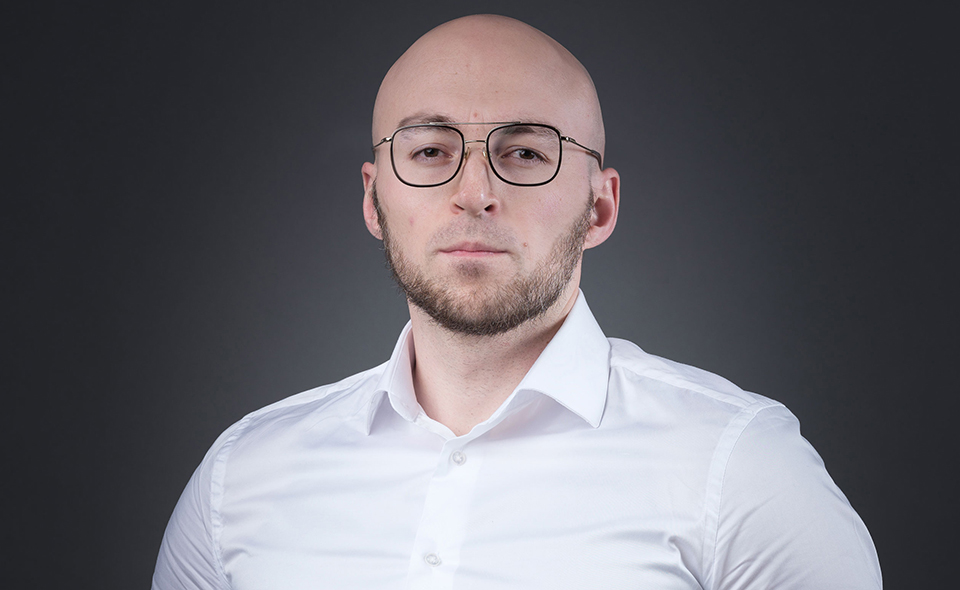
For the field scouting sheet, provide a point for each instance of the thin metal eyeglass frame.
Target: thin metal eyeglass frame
(486, 145)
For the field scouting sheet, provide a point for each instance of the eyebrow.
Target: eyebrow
(420, 118)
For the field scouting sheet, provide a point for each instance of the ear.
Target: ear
(369, 172)
(606, 206)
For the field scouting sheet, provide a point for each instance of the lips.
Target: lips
(472, 249)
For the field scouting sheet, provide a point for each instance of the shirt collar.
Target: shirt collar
(396, 382)
(573, 369)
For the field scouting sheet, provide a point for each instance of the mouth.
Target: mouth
(472, 250)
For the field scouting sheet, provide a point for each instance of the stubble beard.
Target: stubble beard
(489, 309)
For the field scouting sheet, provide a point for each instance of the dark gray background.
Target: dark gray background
(183, 240)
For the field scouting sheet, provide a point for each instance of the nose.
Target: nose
(474, 190)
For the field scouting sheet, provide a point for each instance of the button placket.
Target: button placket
(446, 512)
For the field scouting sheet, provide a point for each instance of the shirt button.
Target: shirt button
(458, 458)
(432, 559)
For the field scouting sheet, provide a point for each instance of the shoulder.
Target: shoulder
(255, 448)
(698, 415)
(770, 511)
(695, 416)
(644, 375)
(335, 406)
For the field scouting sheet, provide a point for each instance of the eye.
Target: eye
(525, 154)
(522, 156)
(430, 155)
(429, 152)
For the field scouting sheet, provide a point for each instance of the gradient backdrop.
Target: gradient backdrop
(183, 242)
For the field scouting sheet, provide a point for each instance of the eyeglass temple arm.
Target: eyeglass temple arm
(593, 153)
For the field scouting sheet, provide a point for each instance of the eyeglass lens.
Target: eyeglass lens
(521, 154)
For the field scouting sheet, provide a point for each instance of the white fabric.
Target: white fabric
(606, 468)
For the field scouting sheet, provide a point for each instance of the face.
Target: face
(477, 255)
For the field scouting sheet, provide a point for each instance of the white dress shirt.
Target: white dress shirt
(606, 468)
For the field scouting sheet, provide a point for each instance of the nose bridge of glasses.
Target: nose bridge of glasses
(466, 148)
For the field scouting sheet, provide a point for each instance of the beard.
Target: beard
(491, 308)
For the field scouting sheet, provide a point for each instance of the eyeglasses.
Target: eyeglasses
(522, 154)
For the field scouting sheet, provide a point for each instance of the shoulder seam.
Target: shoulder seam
(666, 378)
(715, 479)
(216, 493)
(672, 374)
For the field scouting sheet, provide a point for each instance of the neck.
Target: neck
(460, 380)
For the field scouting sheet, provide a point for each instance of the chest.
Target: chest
(537, 512)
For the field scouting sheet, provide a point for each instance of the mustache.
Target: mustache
(459, 230)
(489, 234)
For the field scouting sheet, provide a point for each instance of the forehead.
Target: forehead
(521, 79)
(471, 92)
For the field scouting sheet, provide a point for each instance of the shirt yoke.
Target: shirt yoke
(628, 357)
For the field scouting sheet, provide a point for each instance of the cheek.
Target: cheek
(555, 206)
(549, 216)
(404, 212)
(410, 226)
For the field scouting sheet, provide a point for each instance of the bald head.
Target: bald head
(489, 68)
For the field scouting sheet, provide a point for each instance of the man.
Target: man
(507, 443)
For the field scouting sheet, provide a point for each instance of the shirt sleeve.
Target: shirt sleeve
(783, 523)
(189, 554)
